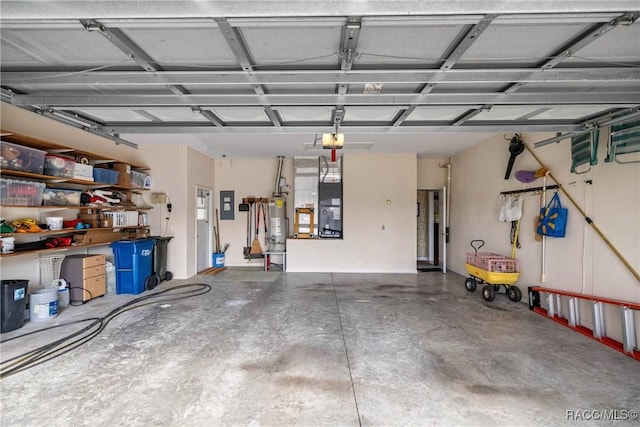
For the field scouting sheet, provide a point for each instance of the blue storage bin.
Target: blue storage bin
(107, 176)
(133, 259)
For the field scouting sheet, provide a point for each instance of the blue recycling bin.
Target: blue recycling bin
(133, 259)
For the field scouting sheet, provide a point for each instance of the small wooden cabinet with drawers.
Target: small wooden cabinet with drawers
(86, 276)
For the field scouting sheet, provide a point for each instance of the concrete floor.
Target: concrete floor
(320, 349)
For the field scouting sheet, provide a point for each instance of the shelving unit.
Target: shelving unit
(104, 208)
(54, 148)
(40, 251)
(94, 236)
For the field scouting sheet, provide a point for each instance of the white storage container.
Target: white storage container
(122, 218)
(132, 218)
(82, 171)
(118, 218)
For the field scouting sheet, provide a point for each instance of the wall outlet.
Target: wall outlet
(157, 198)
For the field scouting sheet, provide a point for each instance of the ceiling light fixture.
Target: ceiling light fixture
(333, 141)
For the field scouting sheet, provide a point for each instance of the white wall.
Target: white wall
(581, 262)
(177, 171)
(248, 178)
(167, 164)
(378, 236)
(430, 173)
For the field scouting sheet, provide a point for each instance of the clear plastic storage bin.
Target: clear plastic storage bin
(59, 197)
(14, 192)
(59, 166)
(19, 158)
(139, 179)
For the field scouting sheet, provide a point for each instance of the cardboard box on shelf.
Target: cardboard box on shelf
(95, 223)
(90, 217)
(90, 211)
(123, 169)
(97, 236)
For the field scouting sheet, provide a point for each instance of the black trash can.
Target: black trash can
(14, 304)
(159, 268)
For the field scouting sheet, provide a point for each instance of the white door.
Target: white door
(203, 229)
(443, 230)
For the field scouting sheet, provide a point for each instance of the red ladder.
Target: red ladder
(554, 311)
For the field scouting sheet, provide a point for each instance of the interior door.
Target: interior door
(442, 230)
(423, 227)
(203, 229)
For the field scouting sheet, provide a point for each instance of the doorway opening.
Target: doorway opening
(431, 243)
(203, 229)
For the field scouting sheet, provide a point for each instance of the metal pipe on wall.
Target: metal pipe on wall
(543, 274)
(276, 190)
(448, 195)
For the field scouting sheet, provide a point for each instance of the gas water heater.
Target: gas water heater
(277, 237)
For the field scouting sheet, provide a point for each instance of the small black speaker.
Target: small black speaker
(243, 207)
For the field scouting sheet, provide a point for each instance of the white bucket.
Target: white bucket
(54, 223)
(43, 304)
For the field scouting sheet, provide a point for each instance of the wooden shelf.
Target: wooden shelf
(115, 208)
(39, 251)
(44, 233)
(104, 208)
(21, 139)
(52, 180)
(82, 237)
(38, 207)
(47, 233)
(123, 188)
(62, 232)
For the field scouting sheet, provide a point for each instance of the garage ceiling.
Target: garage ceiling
(262, 78)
